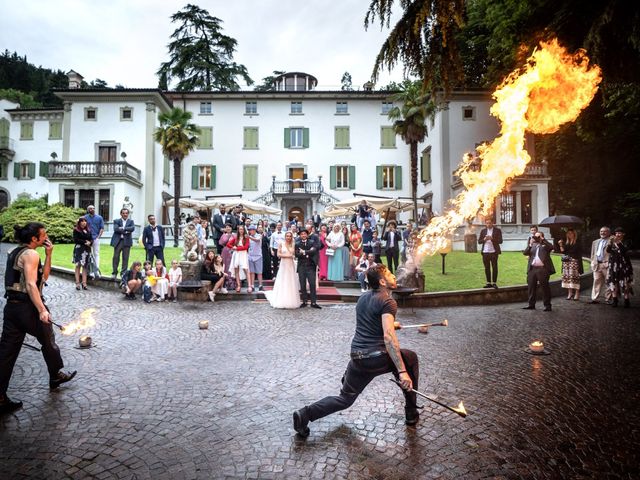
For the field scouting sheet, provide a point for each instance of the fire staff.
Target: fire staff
(374, 351)
(26, 312)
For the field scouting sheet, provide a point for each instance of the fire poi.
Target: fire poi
(550, 90)
(86, 320)
(460, 410)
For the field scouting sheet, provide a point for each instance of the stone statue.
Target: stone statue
(128, 205)
(190, 239)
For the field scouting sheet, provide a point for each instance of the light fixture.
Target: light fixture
(123, 155)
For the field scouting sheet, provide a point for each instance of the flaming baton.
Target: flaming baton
(550, 90)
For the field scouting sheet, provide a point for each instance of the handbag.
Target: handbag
(330, 252)
(566, 258)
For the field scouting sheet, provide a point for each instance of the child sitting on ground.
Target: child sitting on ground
(175, 278)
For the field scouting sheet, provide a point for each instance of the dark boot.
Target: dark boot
(7, 405)
(300, 422)
(614, 302)
(411, 416)
(627, 303)
(60, 378)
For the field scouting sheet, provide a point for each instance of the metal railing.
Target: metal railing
(93, 169)
(296, 186)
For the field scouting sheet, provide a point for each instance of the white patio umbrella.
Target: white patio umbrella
(255, 207)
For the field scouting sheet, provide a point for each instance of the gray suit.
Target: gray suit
(600, 269)
(539, 274)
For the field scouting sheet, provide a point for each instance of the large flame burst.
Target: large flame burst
(86, 321)
(550, 90)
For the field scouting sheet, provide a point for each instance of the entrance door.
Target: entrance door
(298, 213)
(296, 173)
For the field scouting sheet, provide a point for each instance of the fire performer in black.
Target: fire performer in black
(26, 312)
(375, 350)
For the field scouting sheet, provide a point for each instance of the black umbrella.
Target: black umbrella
(562, 221)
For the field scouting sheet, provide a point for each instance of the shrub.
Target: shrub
(58, 219)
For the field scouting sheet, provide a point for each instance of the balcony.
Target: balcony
(94, 170)
(7, 149)
(294, 186)
(531, 171)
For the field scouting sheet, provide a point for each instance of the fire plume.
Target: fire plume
(86, 320)
(551, 89)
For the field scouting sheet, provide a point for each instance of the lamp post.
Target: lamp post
(446, 248)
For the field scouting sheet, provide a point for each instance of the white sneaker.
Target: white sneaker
(224, 290)
(363, 290)
(212, 296)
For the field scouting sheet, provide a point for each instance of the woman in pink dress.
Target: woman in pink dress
(324, 260)
(226, 251)
(286, 288)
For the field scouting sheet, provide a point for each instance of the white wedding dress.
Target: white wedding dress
(286, 288)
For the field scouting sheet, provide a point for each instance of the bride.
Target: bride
(286, 288)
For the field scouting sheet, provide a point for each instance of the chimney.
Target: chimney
(75, 79)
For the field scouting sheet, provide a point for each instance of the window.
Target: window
(386, 107)
(205, 140)
(525, 206)
(26, 130)
(205, 108)
(4, 168)
(55, 130)
(468, 113)
(341, 137)
(69, 198)
(251, 108)
(203, 177)
(296, 137)
(166, 171)
(250, 177)
(342, 177)
(24, 170)
(387, 137)
(389, 177)
(425, 165)
(107, 153)
(508, 207)
(250, 141)
(342, 108)
(87, 197)
(296, 108)
(126, 114)
(90, 114)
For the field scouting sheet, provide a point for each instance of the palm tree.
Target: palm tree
(410, 123)
(178, 137)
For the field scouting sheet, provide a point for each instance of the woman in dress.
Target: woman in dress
(335, 241)
(355, 248)
(620, 274)
(571, 265)
(346, 264)
(226, 251)
(286, 288)
(213, 271)
(81, 251)
(239, 243)
(161, 287)
(175, 278)
(324, 260)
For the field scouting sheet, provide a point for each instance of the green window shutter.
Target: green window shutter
(342, 137)
(398, 179)
(287, 138)
(305, 138)
(425, 167)
(55, 130)
(44, 169)
(26, 131)
(166, 171)
(206, 137)
(332, 177)
(250, 137)
(387, 137)
(32, 170)
(16, 170)
(194, 177)
(213, 177)
(379, 177)
(250, 177)
(352, 177)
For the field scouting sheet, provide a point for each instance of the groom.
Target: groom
(307, 254)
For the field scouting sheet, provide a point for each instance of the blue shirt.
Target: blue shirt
(95, 223)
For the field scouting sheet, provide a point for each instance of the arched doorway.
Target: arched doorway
(296, 212)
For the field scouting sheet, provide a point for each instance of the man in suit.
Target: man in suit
(490, 239)
(121, 241)
(153, 240)
(540, 268)
(392, 251)
(219, 221)
(317, 220)
(307, 255)
(600, 265)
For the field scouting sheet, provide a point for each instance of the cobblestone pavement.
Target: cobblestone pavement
(157, 398)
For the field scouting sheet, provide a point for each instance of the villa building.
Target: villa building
(294, 148)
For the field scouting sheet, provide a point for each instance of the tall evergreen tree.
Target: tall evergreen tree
(200, 55)
(268, 82)
(178, 137)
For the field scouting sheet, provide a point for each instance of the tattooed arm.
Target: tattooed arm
(393, 348)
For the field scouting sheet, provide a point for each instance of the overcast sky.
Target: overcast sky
(124, 41)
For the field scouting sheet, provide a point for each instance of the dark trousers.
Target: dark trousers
(392, 258)
(490, 261)
(538, 275)
(120, 248)
(157, 252)
(307, 273)
(19, 319)
(218, 246)
(275, 263)
(358, 375)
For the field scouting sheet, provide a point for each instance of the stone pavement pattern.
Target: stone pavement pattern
(157, 398)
